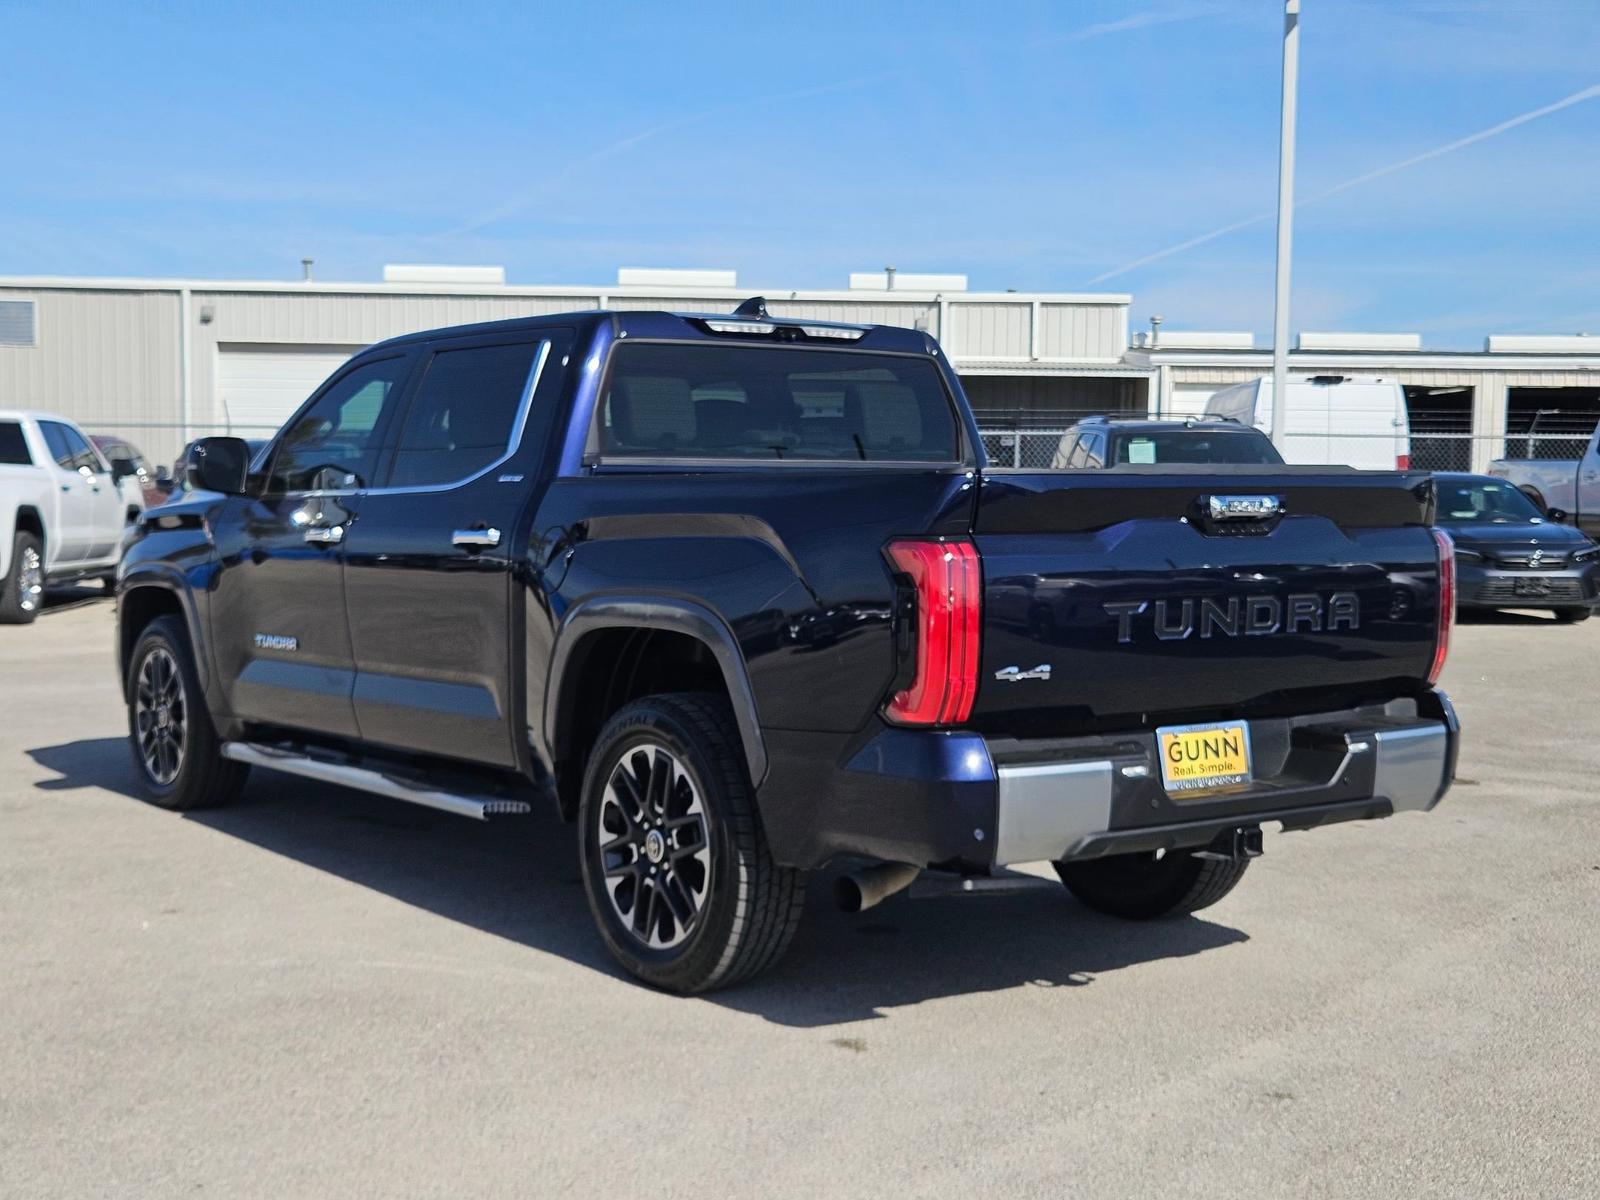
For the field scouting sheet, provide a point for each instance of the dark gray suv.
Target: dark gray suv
(1105, 442)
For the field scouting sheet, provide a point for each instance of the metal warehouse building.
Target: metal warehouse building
(161, 361)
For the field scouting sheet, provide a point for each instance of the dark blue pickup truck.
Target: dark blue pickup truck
(740, 596)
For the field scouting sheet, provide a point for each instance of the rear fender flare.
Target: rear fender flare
(643, 611)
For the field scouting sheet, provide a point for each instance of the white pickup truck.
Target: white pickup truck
(63, 510)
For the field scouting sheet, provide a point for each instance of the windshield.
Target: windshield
(1195, 446)
(1486, 500)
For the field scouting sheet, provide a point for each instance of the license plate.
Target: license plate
(1204, 758)
(1530, 587)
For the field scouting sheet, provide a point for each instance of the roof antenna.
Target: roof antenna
(756, 306)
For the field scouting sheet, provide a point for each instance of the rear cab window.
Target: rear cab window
(13, 446)
(693, 401)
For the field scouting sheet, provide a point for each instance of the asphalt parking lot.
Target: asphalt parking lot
(320, 993)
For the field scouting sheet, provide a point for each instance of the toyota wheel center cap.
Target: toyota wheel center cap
(655, 846)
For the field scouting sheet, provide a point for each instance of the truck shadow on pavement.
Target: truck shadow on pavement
(519, 879)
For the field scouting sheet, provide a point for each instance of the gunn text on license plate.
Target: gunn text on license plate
(1204, 758)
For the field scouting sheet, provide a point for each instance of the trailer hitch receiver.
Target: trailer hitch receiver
(1234, 845)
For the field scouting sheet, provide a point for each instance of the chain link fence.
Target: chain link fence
(1035, 449)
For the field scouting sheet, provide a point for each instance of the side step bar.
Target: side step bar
(362, 779)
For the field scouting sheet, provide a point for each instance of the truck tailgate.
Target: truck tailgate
(1127, 598)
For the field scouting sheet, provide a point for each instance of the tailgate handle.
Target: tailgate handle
(1243, 508)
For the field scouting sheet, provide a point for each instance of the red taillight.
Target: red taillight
(949, 586)
(1447, 602)
(1402, 462)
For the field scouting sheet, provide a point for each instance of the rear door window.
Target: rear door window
(69, 447)
(13, 445)
(1063, 454)
(464, 414)
(692, 401)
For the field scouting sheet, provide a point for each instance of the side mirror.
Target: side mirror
(219, 464)
(123, 468)
(1559, 515)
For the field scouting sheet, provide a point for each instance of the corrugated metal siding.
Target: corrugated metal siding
(1083, 331)
(1417, 376)
(989, 330)
(1551, 378)
(1000, 400)
(337, 319)
(106, 359)
(875, 312)
(1217, 375)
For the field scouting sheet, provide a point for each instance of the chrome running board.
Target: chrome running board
(379, 784)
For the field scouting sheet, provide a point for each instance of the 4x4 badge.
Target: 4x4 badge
(1017, 674)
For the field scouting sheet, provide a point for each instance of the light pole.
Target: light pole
(1280, 314)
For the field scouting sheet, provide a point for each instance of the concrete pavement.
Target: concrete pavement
(320, 993)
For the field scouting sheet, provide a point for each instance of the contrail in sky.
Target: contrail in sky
(1587, 93)
(1088, 32)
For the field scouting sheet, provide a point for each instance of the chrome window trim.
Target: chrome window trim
(519, 426)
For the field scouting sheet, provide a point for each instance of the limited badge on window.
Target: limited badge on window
(1204, 758)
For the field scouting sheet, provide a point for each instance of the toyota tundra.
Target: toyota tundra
(740, 596)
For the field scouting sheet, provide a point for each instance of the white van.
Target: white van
(1358, 421)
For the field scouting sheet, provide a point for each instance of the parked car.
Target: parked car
(740, 596)
(1508, 555)
(142, 487)
(1357, 421)
(1565, 489)
(1109, 442)
(62, 511)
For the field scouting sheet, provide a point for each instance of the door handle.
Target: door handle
(324, 535)
(476, 537)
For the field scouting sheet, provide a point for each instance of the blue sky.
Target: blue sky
(1032, 146)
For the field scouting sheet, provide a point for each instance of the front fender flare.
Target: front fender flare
(163, 577)
(673, 613)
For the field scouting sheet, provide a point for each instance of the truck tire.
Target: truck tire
(675, 863)
(1571, 616)
(1142, 886)
(22, 590)
(175, 747)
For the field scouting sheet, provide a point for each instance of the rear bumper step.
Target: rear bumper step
(481, 807)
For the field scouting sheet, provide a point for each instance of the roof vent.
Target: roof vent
(1578, 343)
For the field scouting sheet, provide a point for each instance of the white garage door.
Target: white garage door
(1189, 399)
(259, 387)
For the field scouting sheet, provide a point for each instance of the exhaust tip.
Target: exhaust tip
(847, 894)
(861, 890)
